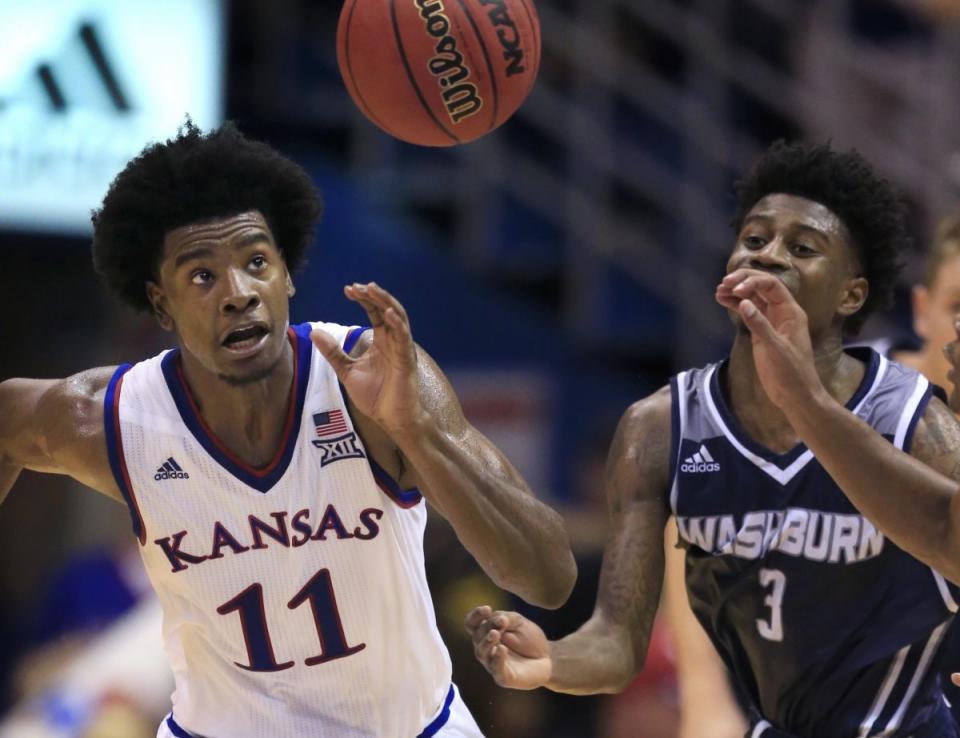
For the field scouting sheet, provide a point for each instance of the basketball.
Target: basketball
(438, 72)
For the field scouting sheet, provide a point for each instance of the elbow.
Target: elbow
(558, 570)
(558, 581)
(547, 587)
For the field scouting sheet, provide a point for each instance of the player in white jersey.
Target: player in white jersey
(276, 476)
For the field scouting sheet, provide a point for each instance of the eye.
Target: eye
(258, 262)
(201, 276)
(754, 241)
(803, 249)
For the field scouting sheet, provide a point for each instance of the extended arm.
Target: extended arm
(914, 504)
(610, 648)
(55, 426)
(520, 542)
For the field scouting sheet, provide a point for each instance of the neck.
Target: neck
(839, 372)
(248, 418)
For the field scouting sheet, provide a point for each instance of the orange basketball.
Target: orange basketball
(438, 72)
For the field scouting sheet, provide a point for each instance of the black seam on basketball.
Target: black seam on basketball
(490, 71)
(413, 80)
(537, 50)
(364, 106)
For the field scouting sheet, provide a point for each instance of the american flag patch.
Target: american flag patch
(330, 423)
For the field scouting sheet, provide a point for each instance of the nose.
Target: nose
(771, 257)
(239, 295)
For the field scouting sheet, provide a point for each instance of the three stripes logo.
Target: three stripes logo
(700, 462)
(82, 75)
(170, 469)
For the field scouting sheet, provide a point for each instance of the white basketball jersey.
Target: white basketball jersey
(294, 596)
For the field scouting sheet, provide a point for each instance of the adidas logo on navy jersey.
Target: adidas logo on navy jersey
(700, 462)
(170, 469)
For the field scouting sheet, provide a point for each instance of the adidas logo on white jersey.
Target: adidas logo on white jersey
(170, 469)
(700, 462)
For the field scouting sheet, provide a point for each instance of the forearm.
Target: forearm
(520, 542)
(914, 505)
(596, 659)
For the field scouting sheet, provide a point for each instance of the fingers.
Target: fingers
(756, 285)
(476, 616)
(756, 321)
(330, 348)
(486, 627)
(955, 678)
(386, 315)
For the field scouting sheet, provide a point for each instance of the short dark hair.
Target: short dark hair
(192, 178)
(845, 183)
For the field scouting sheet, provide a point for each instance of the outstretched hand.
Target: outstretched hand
(512, 648)
(778, 328)
(383, 383)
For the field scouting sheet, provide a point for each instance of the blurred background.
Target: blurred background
(557, 270)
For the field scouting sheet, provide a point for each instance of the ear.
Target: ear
(158, 300)
(854, 296)
(291, 290)
(920, 301)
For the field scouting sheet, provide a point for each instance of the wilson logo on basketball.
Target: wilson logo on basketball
(459, 95)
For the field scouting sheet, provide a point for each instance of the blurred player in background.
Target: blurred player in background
(276, 475)
(828, 630)
(936, 303)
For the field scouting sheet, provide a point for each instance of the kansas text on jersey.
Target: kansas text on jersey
(294, 596)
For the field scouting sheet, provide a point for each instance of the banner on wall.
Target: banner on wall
(85, 85)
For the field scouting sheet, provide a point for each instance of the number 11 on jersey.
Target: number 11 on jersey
(253, 621)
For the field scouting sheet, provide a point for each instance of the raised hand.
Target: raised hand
(513, 649)
(782, 350)
(383, 383)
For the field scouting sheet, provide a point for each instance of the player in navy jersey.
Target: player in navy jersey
(276, 476)
(828, 627)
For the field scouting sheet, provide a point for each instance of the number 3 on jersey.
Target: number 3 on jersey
(772, 628)
(253, 620)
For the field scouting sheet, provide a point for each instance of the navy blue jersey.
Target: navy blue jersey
(829, 629)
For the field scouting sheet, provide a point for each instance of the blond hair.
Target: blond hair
(946, 244)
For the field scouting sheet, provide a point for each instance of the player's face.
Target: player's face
(808, 248)
(935, 308)
(224, 287)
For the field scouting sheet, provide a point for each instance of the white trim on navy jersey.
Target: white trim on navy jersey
(928, 652)
(896, 666)
(909, 409)
(681, 400)
(782, 476)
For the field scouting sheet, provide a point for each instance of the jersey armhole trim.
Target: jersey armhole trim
(405, 498)
(677, 397)
(118, 463)
(353, 336)
(913, 411)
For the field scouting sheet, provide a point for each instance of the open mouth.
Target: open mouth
(245, 338)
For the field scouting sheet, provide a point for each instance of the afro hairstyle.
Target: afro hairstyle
(193, 178)
(846, 184)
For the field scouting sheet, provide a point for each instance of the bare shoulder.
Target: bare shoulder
(936, 440)
(639, 463)
(56, 425)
